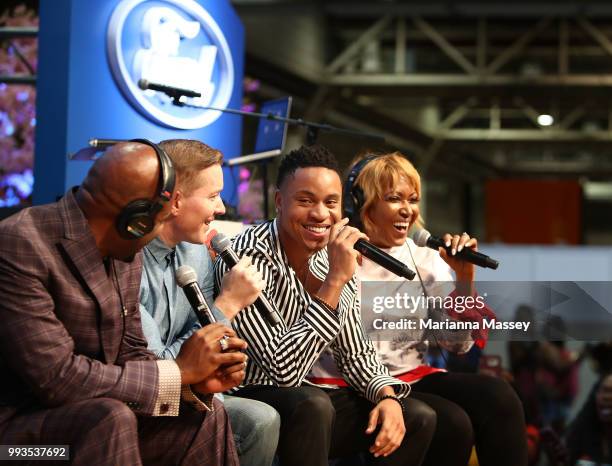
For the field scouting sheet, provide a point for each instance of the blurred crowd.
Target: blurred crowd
(544, 373)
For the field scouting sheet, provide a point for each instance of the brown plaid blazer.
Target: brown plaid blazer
(63, 336)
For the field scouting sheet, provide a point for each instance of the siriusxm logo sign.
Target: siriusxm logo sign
(175, 43)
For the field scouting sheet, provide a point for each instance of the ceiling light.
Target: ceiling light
(545, 120)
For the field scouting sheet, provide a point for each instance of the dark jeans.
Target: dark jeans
(473, 409)
(319, 424)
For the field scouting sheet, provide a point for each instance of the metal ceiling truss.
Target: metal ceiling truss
(501, 83)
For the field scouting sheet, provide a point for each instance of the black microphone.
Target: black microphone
(174, 92)
(424, 239)
(383, 259)
(187, 279)
(223, 246)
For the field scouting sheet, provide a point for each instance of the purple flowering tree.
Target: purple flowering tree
(17, 110)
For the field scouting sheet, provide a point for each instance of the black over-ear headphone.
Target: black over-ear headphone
(353, 197)
(138, 217)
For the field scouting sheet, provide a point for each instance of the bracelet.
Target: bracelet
(392, 397)
(324, 303)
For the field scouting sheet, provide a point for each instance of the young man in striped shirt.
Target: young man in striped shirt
(307, 259)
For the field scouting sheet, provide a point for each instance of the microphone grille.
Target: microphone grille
(143, 84)
(420, 237)
(185, 275)
(220, 243)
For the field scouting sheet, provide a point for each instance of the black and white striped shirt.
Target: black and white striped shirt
(284, 355)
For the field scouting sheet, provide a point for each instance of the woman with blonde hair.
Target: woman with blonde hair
(381, 197)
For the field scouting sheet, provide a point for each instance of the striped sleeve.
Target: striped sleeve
(356, 356)
(354, 353)
(285, 353)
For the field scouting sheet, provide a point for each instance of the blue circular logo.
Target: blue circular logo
(174, 43)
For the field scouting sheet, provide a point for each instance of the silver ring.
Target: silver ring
(464, 233)
(223, 343)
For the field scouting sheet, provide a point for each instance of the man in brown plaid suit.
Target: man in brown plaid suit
(74, 364)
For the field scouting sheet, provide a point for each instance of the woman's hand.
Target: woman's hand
(464, 270)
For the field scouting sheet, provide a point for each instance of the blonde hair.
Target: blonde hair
(380, 174)
(189, 158)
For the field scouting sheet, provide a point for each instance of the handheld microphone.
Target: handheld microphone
(187, 279)
(104, 143)
(424, 239)
(383, 259)
(223, 246)
(170, 91)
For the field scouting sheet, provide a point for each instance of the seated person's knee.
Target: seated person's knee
(315, 406)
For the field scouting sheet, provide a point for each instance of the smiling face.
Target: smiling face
(392, 216)
(309, 203)
(193, 211)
